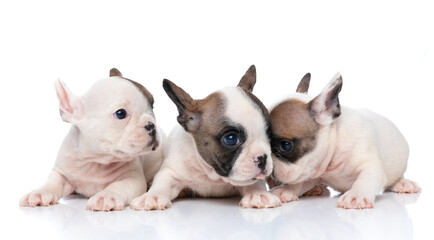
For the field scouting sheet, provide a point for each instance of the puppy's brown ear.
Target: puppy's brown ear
(303, 86)
(248, 81)
(325, 107)
(70, 106)
(187, 118)
(115, 72)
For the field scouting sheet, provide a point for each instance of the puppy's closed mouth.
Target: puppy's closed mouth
(261, 175)
(154, 144)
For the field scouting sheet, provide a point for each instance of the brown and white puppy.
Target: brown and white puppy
(221, 148)
(112, 150)
(354, 151)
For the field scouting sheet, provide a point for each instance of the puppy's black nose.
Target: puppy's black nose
(262, 161)
(150, 126)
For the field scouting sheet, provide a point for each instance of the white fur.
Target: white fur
(184, 168)
(102, 157)
(360, 153)
(240, 110)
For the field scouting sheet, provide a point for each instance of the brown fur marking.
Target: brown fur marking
(144, 91)
(212, 124)
(114, 72)
(291, 120)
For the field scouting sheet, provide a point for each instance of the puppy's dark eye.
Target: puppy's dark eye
(120, 114)
(285, 146)
(230, 139)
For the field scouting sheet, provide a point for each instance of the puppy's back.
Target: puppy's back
(382, 135)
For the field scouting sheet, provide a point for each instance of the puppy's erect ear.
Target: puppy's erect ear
(248, 81)
(188, 118)
(70, 106)
(115, 72)
(303, 86)
(325, 107)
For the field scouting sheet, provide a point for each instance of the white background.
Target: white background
(383, 49)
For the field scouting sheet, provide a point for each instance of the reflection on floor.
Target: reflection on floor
(308, 218)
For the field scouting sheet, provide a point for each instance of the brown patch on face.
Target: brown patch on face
(293, 128)
(218, 140)
(211, 128)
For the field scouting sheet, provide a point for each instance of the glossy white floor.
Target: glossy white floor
(395, 216)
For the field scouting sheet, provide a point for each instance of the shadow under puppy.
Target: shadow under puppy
(112, 149)
(221, 148)
(355, 151)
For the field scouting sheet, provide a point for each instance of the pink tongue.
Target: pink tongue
(260, 176)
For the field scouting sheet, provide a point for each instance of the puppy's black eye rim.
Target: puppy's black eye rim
(230, 139)
(120, 114)
(286, 146)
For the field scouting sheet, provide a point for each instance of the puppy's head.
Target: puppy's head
(115, 116)
(230, 128)
(300, 127)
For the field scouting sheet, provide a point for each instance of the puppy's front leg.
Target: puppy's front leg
(54, 189)
(165, 188)
(369, 183)
(256, 196)
(118, 194)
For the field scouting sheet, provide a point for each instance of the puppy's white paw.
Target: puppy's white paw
(260, 200)
(406, 186)
(355, 200)
(284, 194)
(104, 202)
(150, 202)
(38, 198)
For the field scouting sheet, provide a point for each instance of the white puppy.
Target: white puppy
(221, 148)
(112, 150)
(354, 151)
